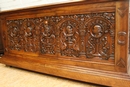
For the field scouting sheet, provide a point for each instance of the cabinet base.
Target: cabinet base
(107, 78)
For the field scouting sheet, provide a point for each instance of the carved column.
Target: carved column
(82, 43)
(122, 36)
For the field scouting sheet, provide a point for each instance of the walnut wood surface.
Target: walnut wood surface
(85, 40)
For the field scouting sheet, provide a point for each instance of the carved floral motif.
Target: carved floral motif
(99, 39)
(91, 35)
(29, 29)
(13, 31)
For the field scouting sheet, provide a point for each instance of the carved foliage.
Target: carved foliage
(13, 32)
(22, 35)
(100, 34)
(30, 37)
(69, 38)
(48, 37)
(91, 35)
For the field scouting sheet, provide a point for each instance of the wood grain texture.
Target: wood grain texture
(85, 41)
(24, 78)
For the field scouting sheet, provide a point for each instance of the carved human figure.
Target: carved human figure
(69, 34)
(97, 31)
(69, 40)
(28, 31)
(48, 38)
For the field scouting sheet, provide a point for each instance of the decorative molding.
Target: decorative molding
(121, 63)
(122, 11)
(121, 38)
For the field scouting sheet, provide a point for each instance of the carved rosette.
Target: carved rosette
(100, 33)
(69, 38)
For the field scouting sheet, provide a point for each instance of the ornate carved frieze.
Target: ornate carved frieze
(91, 35)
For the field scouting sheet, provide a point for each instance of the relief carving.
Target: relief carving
(29, 36)
(13, 32)
(82, 42)
(122, 11)
(88, 35)
(121, 63)
(48, 38)
(121, 38)
(69, 39)
(100, 35)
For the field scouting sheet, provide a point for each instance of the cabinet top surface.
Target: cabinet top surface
(57, 5)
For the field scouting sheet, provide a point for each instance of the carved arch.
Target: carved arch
(99, 38)
(69, 38)
(47, 37)
(29, 35)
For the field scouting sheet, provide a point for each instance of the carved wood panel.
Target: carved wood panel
(48, 37)
(90, 35)
(69, 38)
(31, 38)
(100, 36)
(13, 35)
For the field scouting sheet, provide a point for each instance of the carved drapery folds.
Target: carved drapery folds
(91, 35)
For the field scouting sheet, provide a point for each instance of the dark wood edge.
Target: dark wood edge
(49, 6)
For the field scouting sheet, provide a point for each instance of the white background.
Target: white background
(16, 4)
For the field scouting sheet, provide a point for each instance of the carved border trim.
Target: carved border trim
(121, 63)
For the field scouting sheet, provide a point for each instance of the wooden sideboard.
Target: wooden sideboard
(86, 41)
